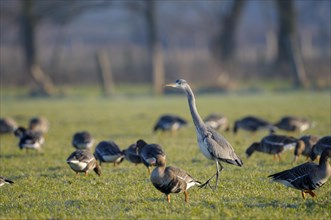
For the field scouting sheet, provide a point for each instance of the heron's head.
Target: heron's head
(180, 83)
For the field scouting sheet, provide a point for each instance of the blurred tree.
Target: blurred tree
(288, 45)
(147, 8)
(225, 44)
(29, 14)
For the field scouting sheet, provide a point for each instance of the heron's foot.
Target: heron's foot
(204, 185)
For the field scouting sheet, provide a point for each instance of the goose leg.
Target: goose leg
(186, 196)
(168, 198)
(303, 194)
(310, 192)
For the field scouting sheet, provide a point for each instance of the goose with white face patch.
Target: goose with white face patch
(108, 152)
(171, 179)
(212, 145)
(82, 161)
(306, 177)
(274, 144)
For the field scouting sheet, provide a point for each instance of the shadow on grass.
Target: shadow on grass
(22, 155)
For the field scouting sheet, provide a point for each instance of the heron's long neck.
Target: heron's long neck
(198, 122)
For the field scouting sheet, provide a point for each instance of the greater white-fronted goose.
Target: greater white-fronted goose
(306, 177)
(274, 144)
(132, 154)
(39, 124)
(29, 139)
(171, 179)
(169, 122)
(305, 149)
(149, 152)
(217, 122)
(108, 152)
(82, 160)
(253, 124)
(4, 181)
(319, 147)
(292, 123)
(7, 125)
(82, 140)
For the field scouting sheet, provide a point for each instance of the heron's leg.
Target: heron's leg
(217, 172)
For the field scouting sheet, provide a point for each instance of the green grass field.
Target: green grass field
(46, 188)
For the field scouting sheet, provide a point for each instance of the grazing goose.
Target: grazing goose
(4, 181)
(82, 160)
(217, 122)
(306, 177)
(108, 152)
(171, 179)
(82, 140)
(149, 152)
(317, 149)
(39, 124)
(7, 125)
(273, 144)
(213, 146)
(252, 124)
(169, 123)
(131, 154)
(305, 149)
(291, 123)
(29, 139)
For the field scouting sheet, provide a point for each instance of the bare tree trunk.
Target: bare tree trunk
(155, 51)
(288, 47)
(225, 44)
(105, 73)
(28, 28)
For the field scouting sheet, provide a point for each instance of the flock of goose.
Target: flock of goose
(169, 179)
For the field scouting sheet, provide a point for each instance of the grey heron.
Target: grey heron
(213, 145)
(306, 177)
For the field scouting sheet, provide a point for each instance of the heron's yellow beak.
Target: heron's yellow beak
(171, 85)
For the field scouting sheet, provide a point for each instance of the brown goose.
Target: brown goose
(149, 152)
(306, 177)
(7, 125)
(292, 123)
(131, 154)
(317, 149)
(171, 179)
(253, 124)
(305, 149)
(217, 122)
(108, 152)
(274, 144)
(82, 140)
(82, 160)
(169, 123)
(4, 181)
(39, 124)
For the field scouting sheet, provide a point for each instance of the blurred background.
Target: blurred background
(50, 46)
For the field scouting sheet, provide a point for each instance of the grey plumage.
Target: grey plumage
(169, 123)
(217, 122)
(213, 146)
(306, 177)
(131, 154)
